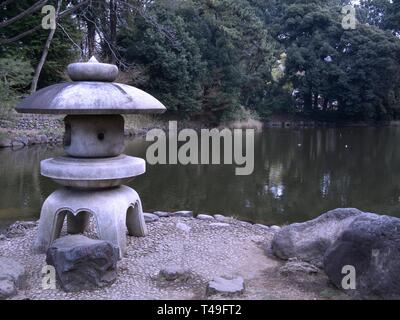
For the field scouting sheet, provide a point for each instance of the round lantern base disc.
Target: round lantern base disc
(85, 173)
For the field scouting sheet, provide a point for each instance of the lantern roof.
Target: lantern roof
(92, 91)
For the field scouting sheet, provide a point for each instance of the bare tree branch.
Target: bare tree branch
(21, 35)
(70, 39)
(28, 32)
(74, 8)
(168, 32)
(38, 5)
(4, 3)
(45, 52)
(103, 38)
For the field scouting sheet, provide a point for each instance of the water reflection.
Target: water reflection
(298, 175)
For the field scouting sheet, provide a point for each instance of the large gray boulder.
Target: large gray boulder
(308, 241)
(13, 276)
(82, 263)
(371, 244)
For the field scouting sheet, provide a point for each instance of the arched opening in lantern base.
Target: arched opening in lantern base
(82, 223)
(135, 221)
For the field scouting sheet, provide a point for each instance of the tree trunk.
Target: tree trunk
(308, 103)
(91, 31)
(113, 31)
(316, 102)
(325, 106)
(45, 52)
(91, 37)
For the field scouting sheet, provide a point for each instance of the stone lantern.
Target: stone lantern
(94, 170)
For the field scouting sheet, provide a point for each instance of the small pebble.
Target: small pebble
(205, 217)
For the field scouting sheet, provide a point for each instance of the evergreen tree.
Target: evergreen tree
(29, 48)
(222, 59)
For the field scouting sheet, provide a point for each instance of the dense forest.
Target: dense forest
(217, 59)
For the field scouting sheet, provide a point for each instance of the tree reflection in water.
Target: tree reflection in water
(298, 175)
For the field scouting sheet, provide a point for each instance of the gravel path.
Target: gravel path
(207, 250)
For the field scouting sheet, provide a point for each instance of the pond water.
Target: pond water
(298, 175)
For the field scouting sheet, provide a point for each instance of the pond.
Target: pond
(298, 175)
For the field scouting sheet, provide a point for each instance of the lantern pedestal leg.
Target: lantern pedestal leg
(114, 210)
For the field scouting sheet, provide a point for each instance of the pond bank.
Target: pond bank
(25, 129)
(22, 130)
(204, 248)
(294, 121)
